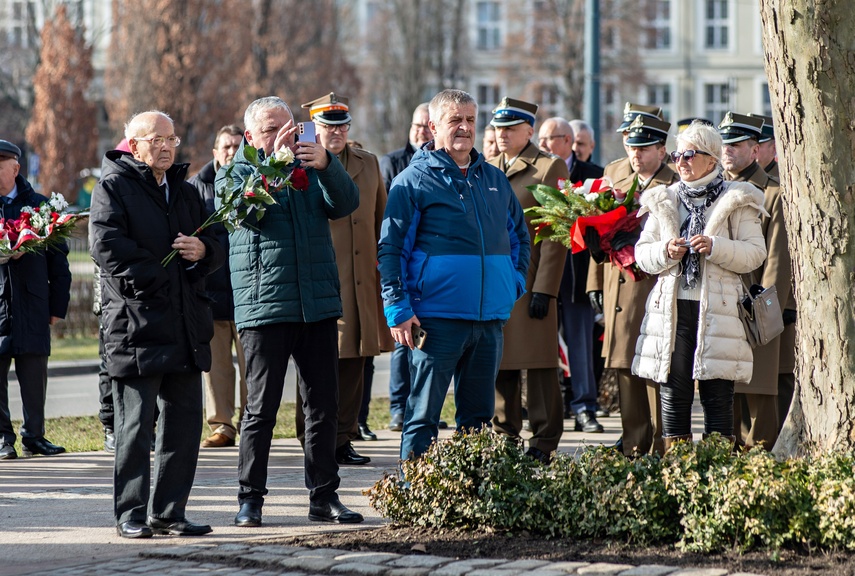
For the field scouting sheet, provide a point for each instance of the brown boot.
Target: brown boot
(671, 440)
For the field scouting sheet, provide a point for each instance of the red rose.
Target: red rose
(299, 179)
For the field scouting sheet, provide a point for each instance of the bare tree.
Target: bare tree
(62, 127)
(809, 51)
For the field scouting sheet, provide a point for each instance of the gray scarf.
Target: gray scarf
(695, 222)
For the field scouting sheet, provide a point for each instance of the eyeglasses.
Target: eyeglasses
(687, 155)
(543, 139)
(159, 141)
(420, 126)
(343, 128)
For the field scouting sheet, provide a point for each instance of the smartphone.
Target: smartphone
(307, 132)
(419, 336)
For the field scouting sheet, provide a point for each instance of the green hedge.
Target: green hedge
(701, 496)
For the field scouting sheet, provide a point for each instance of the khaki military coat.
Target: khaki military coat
(532, 343)
(355, 241)
(776, 270)
(623, 298)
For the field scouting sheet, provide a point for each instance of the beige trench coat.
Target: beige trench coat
(532, 343)
(776, 270)
(623, 298)
(355, 241)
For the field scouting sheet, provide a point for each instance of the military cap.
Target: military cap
(631, 110)
(646, 131)
(738, 127)
(9, 150)
(684, 123)
(329, 109)
(768, 130)
(511, 112)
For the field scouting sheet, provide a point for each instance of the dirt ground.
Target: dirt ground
(457, 544)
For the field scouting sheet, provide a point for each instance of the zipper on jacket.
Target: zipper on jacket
(483, 257)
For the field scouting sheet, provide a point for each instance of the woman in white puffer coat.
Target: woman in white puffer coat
(700, 235)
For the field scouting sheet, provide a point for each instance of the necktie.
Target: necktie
(164, 191)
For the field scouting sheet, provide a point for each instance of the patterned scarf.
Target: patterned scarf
(695, 223)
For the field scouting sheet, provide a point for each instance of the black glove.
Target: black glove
(539, 306)
(789, 316)
(596, 298)
(624, 238)
(592, 240)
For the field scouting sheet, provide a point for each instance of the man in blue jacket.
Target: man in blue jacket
(287, 303)
(453, 257)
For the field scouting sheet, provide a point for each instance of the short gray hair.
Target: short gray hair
(562, 124)
(423, 107)
(143, 123)
(703, 137)
(266, 103)
(582, 126)
(441, 101)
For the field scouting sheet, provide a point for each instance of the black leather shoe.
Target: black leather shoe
(587, 422)
(540, 455)
(442, 425)
(249, 515)
(7, 452)
(600, 413)
(134, 529)
(366, 434)
(335, 512)
(109, 440)
(347, 456)
(396, 424)
(41, 446)
(177, 526)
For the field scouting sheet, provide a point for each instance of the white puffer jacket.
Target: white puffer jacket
(722, 350)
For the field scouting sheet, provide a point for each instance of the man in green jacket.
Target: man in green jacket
(287, 303)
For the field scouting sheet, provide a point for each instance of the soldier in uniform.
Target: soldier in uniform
(620, 170)
(622, 300)
(767, 156)
(355, 242)
(531, 334)
(755, 405)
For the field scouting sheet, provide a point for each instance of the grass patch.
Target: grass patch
(74, 348)
(85, 433)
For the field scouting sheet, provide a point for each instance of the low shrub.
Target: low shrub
(702, 497)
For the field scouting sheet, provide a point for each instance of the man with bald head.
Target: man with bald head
(157, 324)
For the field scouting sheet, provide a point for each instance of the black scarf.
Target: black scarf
(695, 223)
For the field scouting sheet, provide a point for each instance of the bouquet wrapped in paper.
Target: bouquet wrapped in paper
(37, 228)
(590, 215)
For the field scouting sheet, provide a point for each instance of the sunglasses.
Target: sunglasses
(686, 155)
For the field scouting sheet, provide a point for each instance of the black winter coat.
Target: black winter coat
(394, 163)
(33, 287)
(218, 283)
(156, 319)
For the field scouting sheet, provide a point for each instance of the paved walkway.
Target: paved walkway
(56, 518)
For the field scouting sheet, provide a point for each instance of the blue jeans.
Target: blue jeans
(399, 379)
(468, 351)
(577, 322)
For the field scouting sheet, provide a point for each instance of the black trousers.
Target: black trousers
(32, 376)
(179, 398)
(314, 347)
(678, 393)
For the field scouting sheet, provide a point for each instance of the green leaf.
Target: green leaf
(251, 154)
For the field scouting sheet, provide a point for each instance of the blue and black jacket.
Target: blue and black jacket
(452, 245)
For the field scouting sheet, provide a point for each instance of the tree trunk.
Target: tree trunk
(809, 46)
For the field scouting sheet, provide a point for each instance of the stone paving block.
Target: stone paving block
(307, 564)
(746, 574)
(368, 557)
(427, 561)
(262, 557)
(463, 567)
(569, 567)
(278, 549)
(175, 552)
(360, 568)
(604, 569)
(522, 565)
(493, 572)
(410, 572)
(238, 547)
(320, 552)
(544, 571)
(700, 572)
(650, 570)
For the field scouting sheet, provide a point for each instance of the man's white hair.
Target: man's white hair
(266, 103)
(444, 99)
(582, 126)
(143, 123)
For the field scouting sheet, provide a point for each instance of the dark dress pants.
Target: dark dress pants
(367, 382)
(178, 395)
(577, 322)
(314, 347)
(350, 374)
(32, 377)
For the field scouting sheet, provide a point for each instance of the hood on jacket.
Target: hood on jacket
(122, 163)
(429, 157)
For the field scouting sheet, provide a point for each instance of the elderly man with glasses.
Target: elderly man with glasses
(157, 323)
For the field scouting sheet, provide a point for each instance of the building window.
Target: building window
(660, 95)
(22, 15)
(488, 99)
(716, 24)
(544, 31)
(488, 16)
(716, 101)
(658, 25)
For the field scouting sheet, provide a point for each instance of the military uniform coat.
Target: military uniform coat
(776, 270)
(623, 298)
(355, 241)
(532, 343)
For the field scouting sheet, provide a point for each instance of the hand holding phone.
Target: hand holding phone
(306, 132)
(419, 336)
